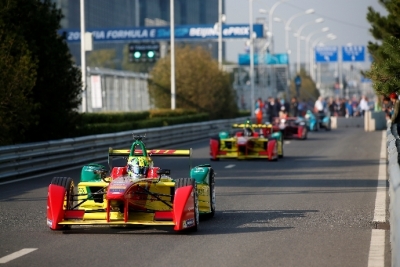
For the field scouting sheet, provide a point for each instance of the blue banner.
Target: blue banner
(159, 33)
(275, 59)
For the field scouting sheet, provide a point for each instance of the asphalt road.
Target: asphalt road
(314, 207)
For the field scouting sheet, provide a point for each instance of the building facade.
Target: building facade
(137, 13)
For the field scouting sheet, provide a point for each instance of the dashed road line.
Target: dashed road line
(17, 254)
(230, 166)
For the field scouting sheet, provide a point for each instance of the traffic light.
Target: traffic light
(144, 52)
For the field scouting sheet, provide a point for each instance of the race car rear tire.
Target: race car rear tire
(182, 182)
(69, 186)
(304, 134)
(281, 144)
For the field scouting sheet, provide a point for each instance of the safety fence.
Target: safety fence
(25, 160)
(393, 155)
(112, 90)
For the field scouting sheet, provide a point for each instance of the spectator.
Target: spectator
(319, 107)
(349, 109)
(259, 110)
(363, 106)
(342, 107)
(294, 107)
(273, 109)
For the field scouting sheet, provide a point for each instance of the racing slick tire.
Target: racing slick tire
(304, 134)
(212, 196)
(182, 182)
(69, 186)
(281, 156)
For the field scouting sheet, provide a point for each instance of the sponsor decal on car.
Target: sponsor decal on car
(49, 222)
(203, 191)
(188, 223)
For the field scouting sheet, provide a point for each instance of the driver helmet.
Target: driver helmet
(138, 167)
(248, 131)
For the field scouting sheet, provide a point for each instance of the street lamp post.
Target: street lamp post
(251, 58)
(172, 41)
(312, 58)
(83, 55)
(298, 34)
(325, 29)
(220, 34)
(287, 26)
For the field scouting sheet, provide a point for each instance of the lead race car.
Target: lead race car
(253, 141)
(135, 194)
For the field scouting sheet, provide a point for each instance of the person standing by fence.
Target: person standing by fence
(259, 110)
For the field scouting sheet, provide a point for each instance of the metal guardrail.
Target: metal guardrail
(393, 149)
(27, 159)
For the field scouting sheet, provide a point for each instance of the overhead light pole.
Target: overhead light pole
(220, 34)
(251, 58)
(287, 26)
(307, 49)
(172, 41)
(298, 34)
(83, 55)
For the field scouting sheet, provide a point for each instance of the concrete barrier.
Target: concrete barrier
(375, 121)
(372, 121)
(342, 122)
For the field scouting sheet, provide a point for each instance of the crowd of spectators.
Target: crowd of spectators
(333, 106)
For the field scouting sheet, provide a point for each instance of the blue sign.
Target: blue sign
(275, 59)
(353, 53)
(189, 32)
(326, 54)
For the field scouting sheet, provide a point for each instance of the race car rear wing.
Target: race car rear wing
(125, 153)
(244, 125)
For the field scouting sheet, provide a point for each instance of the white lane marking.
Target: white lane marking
(380, 201)
(286, 142)
(230, 166)
(376, 257)
(17, 254)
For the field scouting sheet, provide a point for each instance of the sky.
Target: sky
(346, 19)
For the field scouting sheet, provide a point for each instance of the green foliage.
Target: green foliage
(47, 64)
(386, 56)
(113, 117)
(17, 78)
(200, 85)
(308, 88)
(104, 58)
(99, 126)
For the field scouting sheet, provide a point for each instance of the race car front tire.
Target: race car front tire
(212, 196)
(69, 186)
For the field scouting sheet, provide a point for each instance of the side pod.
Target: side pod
(55, 202)
(184, 208)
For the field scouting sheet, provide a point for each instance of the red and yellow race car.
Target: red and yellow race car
(252, 141)
(135, 194)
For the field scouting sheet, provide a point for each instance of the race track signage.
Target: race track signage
(159, 33)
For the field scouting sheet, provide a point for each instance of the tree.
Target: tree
(308, 88)
(104, 58)
(385, 54)
(17, 78)
(57, 89)
(200, 85)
